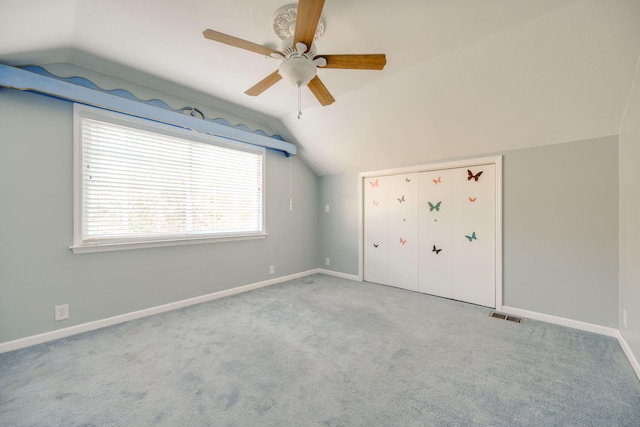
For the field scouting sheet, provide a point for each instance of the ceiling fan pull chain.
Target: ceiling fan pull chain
(299, 102)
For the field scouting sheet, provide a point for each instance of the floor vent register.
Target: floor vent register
(506, 317)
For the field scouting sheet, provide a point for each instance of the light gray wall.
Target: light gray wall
(337, 240)
(560, 230)
(560, 219)
(38, 271)
(629, 221)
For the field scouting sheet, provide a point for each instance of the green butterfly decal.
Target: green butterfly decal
(472, 237)
(436, 206)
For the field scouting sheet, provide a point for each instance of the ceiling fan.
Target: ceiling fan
(298, 27)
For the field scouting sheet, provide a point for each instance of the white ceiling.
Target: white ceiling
(463, 77)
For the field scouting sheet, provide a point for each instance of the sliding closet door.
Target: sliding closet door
(403, 230)
(434, 232)
(376, 230)
(435, 212)
(474, 276)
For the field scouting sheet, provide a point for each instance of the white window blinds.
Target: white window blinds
(141, 185)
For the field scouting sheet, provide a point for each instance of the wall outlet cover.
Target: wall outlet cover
(61, 312)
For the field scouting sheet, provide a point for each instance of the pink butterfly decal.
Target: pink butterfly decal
(403, 241)
(472, 199)
(437, 181)
(374, 183)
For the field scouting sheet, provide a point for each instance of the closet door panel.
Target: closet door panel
(474, 235)
(376, 230)
(435, 212)
(403, 230)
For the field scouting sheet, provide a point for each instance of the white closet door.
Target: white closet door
(474, 235)
(435, 211)
(403, 230)
(376, 230)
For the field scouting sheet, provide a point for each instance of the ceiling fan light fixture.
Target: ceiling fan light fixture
(298, 54)
(298, 70)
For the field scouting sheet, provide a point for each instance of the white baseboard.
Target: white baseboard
(576, 324)
(630, 356)
(338, 274)
(97, 324)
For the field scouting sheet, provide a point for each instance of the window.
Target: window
(139, 183)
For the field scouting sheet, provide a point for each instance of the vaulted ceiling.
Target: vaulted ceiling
(463, 77)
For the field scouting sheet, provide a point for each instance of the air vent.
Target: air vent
(506, 317)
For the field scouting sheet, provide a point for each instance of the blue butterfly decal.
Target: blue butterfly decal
(472, 237)
(436, 206)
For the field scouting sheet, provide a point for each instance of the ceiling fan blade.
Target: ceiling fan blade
(356, 62)
(264, 84)
(307, 18)
(236, 42)
(320, 91)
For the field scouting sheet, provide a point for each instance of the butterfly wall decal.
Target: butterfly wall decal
(403, 241)
(437, 251)
(375, 245)
(436, 206)
(375, 203)
(408, 179)
(401, 199)
(472, 199)
(374, 183)
(472, 176)
(472, 237)
(437, 181)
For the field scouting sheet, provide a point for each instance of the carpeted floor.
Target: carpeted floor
(322, 351)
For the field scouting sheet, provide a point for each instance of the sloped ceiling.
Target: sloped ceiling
(463, 77)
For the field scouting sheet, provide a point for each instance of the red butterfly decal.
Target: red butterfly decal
(472, 176)
(402, 241)
(437, 181)
(374, 183)
(472, 199)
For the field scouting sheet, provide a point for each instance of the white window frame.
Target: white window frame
(81, 245)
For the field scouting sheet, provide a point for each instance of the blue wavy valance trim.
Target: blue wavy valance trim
(82, 90)
(155, 102)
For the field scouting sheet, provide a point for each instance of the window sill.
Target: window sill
(121, 246)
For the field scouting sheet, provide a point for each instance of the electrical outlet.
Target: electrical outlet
(327, 261)
(61, 312)
(624, 318)
(272, 269)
